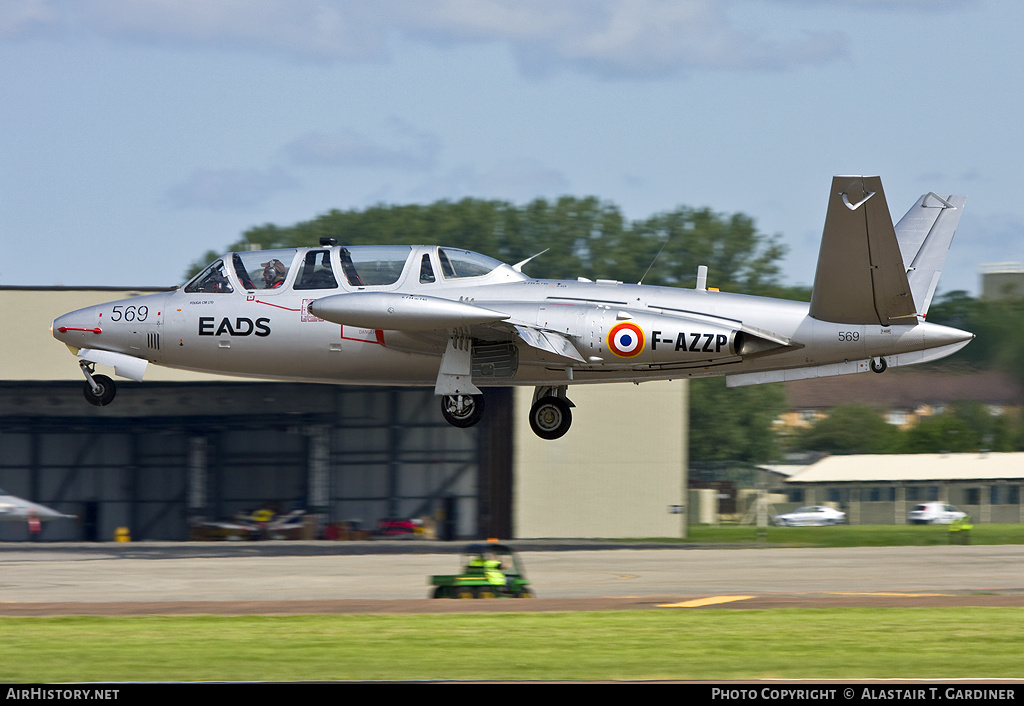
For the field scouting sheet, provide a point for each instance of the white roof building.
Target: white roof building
(881, 489)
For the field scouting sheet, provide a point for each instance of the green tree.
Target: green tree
(734, 424)
(998, 327)
(850, 429)
(941, 433)
(739, 258)
(585, 237)
(966, 426)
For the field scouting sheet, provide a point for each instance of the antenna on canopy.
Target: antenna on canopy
(655, 259)
(518, 267)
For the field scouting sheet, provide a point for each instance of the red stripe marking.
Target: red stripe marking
(277, 306)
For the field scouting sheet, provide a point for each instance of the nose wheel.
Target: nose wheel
(99, 390)
(462, 410)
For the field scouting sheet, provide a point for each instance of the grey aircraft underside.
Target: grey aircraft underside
(459, 321)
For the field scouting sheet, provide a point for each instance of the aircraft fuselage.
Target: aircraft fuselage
(623, 333)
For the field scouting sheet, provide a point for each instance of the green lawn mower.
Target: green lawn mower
(491, 570)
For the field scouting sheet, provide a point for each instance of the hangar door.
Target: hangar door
(168, 454)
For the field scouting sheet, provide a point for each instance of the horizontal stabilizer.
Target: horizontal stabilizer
(845, 368)
(815, 371)
(925, 235)
(860, 278)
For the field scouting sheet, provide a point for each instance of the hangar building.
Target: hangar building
(881, 490)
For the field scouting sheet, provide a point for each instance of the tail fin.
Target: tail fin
(925, 235)
(868, 275)
(860, 277)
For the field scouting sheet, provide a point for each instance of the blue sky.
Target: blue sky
(135, 135)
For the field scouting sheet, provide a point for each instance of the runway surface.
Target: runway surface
(321, 577)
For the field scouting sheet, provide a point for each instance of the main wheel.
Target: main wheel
(880, 366)
(102, 396)
(462, 410)
(550, 417)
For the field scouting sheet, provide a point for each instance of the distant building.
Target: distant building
(882, 489)
(1004, 280)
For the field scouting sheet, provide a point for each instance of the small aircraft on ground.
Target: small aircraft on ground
(15, 509)
(459, 320)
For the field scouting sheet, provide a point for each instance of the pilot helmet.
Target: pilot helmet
(273, 271)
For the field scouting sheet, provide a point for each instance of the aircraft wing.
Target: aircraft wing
(860, 278)
(925, 235)
(18, 509)
(426, 314)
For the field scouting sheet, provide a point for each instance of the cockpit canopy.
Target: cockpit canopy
(353, 267)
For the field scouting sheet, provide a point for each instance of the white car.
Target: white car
(934, 514)
(811, 515)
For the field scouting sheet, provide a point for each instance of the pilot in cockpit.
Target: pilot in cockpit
(273, 274)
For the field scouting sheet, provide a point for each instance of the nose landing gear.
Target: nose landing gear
(462, 410)
(99, 390)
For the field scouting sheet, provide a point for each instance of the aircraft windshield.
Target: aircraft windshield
(370, 265)
(212, 280)
(456, 264)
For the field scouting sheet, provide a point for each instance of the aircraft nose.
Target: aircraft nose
(72, 328)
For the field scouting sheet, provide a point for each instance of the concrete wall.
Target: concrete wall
(615, 474)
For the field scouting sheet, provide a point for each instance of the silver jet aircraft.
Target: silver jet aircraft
(458, 320)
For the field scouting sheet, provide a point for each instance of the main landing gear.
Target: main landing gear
(878, 366)
(99, 390)
(550, 415)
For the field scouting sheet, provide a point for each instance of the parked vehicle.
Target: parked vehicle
(934, 514)
(811, 515)
(490, 570)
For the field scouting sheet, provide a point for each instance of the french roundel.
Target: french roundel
(626, 340)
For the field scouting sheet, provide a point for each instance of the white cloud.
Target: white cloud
(514, 180)
(606, 38)
(343, 30)
(228, 189)
(27, 18)
(414, 151)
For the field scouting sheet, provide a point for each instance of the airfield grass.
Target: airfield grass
(850, 535)
(923, 643)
